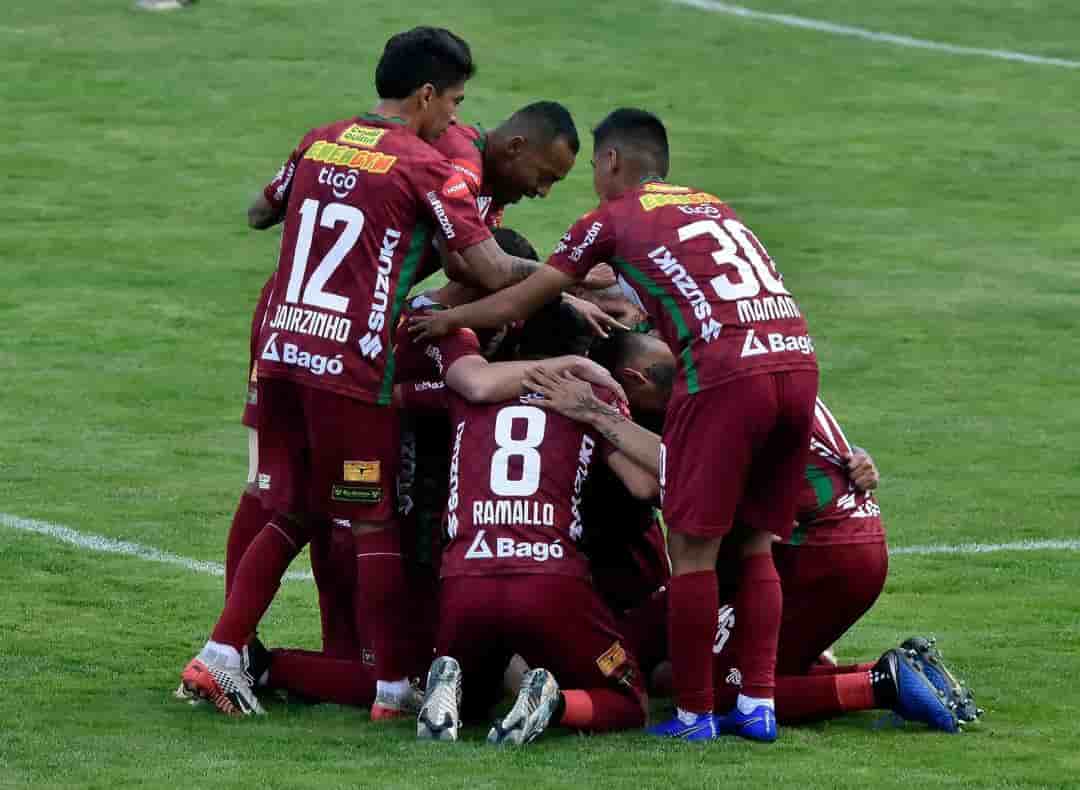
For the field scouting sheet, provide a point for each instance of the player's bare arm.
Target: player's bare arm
(479, 381)
(574, 398)
(510, 304)
(862, 470)
(641, 483)
(598, 319)
(485, 265)
(261, 213)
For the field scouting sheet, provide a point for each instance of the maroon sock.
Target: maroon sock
(381, 602)
(759, 605)
(692, 604)
(645, 631)
(839, 669)
(322, 678)
(248, 521)
(601, 710)
(333, 562)
(256, 581)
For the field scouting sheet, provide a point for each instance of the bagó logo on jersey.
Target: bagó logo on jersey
(505, 548)
(753, 345)
(292, 354)
(371, 344)
(681, 279)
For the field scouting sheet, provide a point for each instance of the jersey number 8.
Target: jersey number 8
(525, 448)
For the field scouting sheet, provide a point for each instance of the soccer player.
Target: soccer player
(514, 580)
(832, 569)
(360, 200)
(747, 377)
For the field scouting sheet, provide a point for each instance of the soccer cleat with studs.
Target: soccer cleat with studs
(533, 710)
(917, 699)
(956, 692)
(229, 688)
(439, 718)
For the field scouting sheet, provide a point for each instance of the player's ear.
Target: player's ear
(633, 378)
(516, 145)
(424, 94)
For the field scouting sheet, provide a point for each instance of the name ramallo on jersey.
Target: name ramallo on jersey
(512, 512)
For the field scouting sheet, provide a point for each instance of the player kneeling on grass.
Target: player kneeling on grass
(832, 569)
(514, 579)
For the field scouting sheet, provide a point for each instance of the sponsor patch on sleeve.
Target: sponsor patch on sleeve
(363, 136)
(455, 187)
(362, 472)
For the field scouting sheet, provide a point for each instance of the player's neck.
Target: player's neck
(396, 110)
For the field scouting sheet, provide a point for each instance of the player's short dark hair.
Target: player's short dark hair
(513, 243)
(554, 330)
(420, 56)
(544, 122)
(618, 349)
(639, 133)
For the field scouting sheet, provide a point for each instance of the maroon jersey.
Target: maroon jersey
(464, 147)
(363, 198)
(706, 281)
(428, 360)
(831, 509)
(516, 478)
(252, 403)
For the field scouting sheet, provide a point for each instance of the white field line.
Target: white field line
(872, 35)
(111, 546)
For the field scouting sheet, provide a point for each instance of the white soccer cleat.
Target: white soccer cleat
(213, 677)
(536, 703)
(440, 718)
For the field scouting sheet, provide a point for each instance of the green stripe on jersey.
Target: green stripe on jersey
(417, 246)
(820, 481)
(668, 301)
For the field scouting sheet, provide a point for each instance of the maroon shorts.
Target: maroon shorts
(324, 454)
(555, 622)
(826, 590)
(737, 451)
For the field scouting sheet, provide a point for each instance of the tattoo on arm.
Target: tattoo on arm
(520, 269)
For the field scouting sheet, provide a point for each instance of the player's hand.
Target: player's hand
(599, 277)
(431, 324)
(862, 470)
(599, 321)
(563, 393)
(585, 369)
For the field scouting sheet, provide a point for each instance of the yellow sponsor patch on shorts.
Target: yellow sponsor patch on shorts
(612, 659)
(362, 472)
(364, 136)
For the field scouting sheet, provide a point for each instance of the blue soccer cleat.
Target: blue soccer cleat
(933, 666)
(917, 699)
(687, 726)
(758, 725)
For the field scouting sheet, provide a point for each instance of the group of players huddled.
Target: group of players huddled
(590, 480)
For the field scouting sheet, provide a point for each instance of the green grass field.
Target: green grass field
(916, 202)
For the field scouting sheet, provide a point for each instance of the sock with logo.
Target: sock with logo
(692, 606)
(759, 603)
(257, 579)
(839, 669)
(381, 600)
(248, 521)
(321, 678)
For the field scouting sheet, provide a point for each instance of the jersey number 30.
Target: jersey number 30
(754, 270)
(525, 448)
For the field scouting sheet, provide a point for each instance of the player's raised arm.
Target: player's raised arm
(486, 266)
